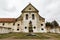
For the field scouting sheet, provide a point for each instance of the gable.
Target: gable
(29, 7)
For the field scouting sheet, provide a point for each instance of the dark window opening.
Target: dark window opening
(42, 29)
(32, 16)
(25, 27)
(26, 16)
(17, 29)
(41, 24)
(29, 8)
(3, 24)
(18, 24)
(13, 24)
(34, 27)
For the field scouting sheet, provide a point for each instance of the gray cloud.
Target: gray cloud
(13, 9)
(52, 10)
(49, 9)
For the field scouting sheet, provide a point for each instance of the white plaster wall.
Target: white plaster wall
(26, 22)
(43, 27)
(6, 25)
(16, 26)
(5, 30)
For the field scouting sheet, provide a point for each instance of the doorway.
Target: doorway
(30, 27)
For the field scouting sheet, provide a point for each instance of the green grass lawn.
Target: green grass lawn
(24, 36)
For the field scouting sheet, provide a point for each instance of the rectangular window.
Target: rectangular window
(26, 16)
(33, 16)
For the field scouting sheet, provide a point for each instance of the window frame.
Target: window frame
(26, 17)
(33, 16)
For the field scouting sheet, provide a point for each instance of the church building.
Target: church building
(28, 21)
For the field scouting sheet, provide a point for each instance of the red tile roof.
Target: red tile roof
(7, 19)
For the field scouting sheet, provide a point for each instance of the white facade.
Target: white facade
(5, 30)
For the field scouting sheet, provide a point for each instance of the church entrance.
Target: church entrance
(30, 27)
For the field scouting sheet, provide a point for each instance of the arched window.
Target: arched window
(33, 16)
(26, 16)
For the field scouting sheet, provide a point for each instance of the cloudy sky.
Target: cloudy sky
(49, 9)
